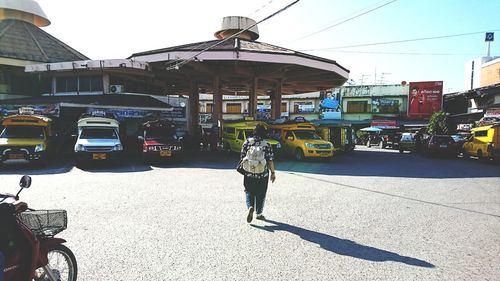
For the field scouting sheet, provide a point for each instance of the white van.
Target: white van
(98, 139)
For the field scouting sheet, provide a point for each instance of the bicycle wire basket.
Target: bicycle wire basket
(45, 222)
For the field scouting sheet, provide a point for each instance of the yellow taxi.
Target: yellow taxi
(484, 142)
(235, 134)
(299, 139)
(25, 138)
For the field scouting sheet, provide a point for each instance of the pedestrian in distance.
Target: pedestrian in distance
(257, 166)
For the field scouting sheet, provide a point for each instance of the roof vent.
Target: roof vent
(25, 10)
(234, 24)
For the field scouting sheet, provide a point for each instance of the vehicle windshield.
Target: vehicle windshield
(160, 134)
(407, 138)
(249, 134)
(98, 133)
(459, 138)
(306, 135)
(23, 132)
(441, 139)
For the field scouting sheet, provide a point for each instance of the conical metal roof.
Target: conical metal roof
(25, 10)
(24, 41)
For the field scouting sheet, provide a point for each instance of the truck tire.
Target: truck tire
(480, 155)
(299, 154)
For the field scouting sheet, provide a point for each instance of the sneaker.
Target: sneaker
(260, 217)
(250, 215)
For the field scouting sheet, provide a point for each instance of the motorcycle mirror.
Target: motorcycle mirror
(25, 182)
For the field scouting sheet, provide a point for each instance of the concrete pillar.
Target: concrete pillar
(252, 102)
(217, 98)
(194, 108)
(276, 101)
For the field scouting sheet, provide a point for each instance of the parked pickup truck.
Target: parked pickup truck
(25, 138)
(160, 141)
(98, 140)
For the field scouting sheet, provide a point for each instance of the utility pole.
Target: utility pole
(362, 80)
(382, 80)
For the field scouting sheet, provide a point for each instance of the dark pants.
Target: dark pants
(255, 190)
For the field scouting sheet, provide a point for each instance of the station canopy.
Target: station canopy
(237, 62)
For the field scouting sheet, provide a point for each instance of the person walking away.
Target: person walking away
(257, 161)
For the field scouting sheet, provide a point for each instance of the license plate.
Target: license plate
(325, 154)
(165, 153)
(99, 156)
(16, 156)
(443, 146)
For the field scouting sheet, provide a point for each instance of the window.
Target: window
(79, 84)
(289, 134)
(84, 85)
(233, 108)
(66, 84)
(241, 136)
(303, 107)
(209, 108)
(23, 132)
(283, 107)
(483, 133)
(95, 83)
(229, 130)
(357, 106)
(94, 133)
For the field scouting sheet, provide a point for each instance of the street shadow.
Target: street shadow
(59, 166)
(374, 162)
(127, 165)
(343, 247)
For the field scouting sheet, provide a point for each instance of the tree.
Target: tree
(438, 124)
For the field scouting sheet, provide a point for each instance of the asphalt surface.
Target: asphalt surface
(371, 215)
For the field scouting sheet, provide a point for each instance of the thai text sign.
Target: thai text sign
(374, 91)
(424, 98)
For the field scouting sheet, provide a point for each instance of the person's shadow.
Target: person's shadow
(343, 246)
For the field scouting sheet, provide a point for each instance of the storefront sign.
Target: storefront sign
(263, 112)
(383, 123)
(306, 108)
(46, 109)
(175, 113)
(206, 118)
(492, 112)
(331, 115)
(381, 105)
(171, 113)
(424, 98)
(374, 91)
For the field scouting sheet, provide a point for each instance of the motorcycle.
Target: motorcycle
(29, 249)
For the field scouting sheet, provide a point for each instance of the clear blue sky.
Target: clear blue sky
(117, 28)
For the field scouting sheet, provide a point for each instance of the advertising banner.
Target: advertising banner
(424, 98)
(329, 107)
(263, 112)
(51, 110)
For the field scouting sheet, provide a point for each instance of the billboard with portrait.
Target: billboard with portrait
(424, 98)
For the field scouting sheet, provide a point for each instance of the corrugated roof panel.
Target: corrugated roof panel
(25, 41)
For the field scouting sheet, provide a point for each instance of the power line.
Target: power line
(262, 7)
(179, 63)
(344, 21)
(202, 43)
(402, 41)
(402, 53)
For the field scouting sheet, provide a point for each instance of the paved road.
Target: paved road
(372, 215)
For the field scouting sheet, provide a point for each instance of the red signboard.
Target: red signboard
(424, 98)
(383, 123)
